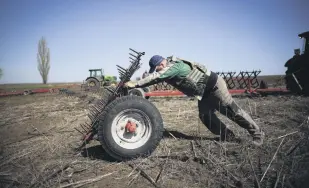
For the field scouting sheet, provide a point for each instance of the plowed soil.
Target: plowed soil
(38, 142)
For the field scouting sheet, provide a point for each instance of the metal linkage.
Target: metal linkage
(229, 78)
(248, 80)
(244, 80)
(163, 86)
(126, 74)
(89, 129)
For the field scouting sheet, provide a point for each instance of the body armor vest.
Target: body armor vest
(194, 83)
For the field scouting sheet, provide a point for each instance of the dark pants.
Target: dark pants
(221, 101)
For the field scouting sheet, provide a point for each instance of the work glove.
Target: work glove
(130, 85)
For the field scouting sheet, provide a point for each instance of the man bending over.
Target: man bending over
(195, 80)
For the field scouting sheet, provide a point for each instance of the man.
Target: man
(195, 80)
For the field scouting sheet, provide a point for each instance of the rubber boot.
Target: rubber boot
(258, 138)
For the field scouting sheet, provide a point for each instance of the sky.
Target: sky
(224, 35)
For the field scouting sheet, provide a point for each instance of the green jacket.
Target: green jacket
(173, 71)
(192, 80)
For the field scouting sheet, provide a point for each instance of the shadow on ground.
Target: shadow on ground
(179, 135)
(97, 152)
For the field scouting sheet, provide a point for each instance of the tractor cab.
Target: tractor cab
(96, 73)
(305, 48)
(300, 53)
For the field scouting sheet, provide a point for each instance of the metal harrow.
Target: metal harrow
(89, 129)
(243, 80)
(229, 79)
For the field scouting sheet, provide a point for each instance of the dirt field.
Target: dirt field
(38, 140)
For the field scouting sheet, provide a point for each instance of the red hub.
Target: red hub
(131, 127)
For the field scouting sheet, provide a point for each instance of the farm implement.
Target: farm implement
(245, 82)
(64, 89)
(97, 79)
(126, 125)
(295, 80)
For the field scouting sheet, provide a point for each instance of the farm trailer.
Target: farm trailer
(36, 91)
(243, 83)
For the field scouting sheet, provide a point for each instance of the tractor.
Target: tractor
(97, 79)
(296, 75)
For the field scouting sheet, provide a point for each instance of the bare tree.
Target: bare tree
(43, 59)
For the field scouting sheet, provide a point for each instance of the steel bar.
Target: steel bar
(232, 91)
(243, 80)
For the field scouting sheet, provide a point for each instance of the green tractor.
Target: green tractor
(97, 79)
(297, 73)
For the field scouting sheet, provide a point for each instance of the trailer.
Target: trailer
(35, 91)
(243, 83)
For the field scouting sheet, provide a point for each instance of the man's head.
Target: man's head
(156, 63)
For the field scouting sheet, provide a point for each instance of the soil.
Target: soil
(38, 146)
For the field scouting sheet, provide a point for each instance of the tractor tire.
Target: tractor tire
(123, 145)
(93, 84)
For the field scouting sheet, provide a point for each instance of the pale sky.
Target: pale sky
(224, 35)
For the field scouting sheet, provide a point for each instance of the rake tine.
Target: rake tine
(90, 116)
(79, 131)
(86, 126)
(92, 113)
(93, 110)
(82, 126)
(97, 109)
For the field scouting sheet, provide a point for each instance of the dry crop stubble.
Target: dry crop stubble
(38, 140)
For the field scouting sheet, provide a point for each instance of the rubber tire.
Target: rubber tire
(96, 82)
(111, 111)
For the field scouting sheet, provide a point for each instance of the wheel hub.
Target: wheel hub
(131, 127)
(131, 130)
(91, 84)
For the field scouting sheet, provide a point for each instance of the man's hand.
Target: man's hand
(130, 84)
